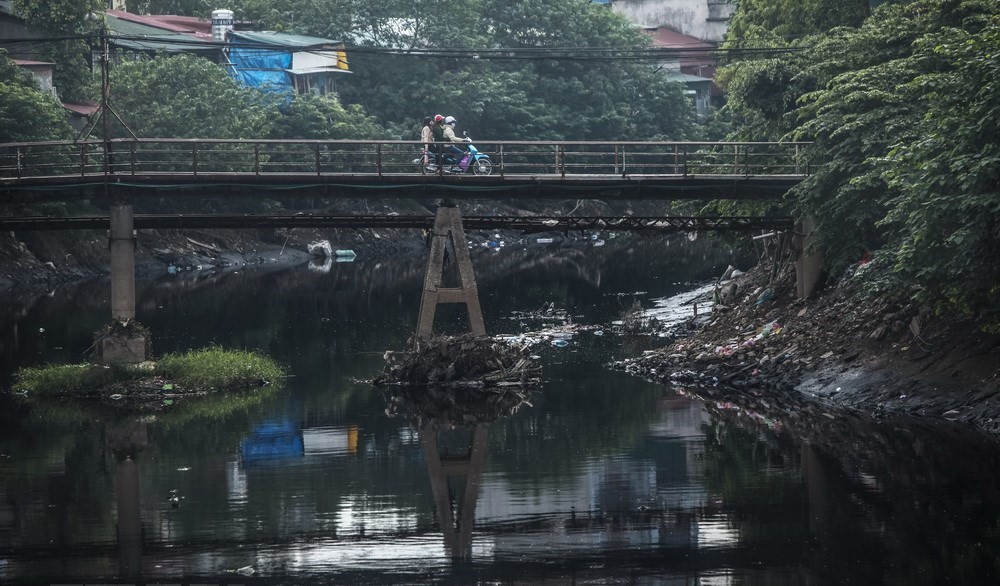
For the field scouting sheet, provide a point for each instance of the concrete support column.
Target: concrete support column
(809, 264)
(122, 263)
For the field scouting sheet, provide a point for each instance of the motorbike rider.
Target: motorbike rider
(449, 137)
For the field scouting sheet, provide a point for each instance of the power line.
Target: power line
(567, 53)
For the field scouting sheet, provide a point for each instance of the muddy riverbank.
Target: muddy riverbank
(858, 343)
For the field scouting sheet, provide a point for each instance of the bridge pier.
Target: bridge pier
(448, 231)
(122, 245)
(122, 345)
(808, 265)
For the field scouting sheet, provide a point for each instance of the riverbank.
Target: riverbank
(858, 343)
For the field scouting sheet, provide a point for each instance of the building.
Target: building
(267, 60)
(691, 63)
(705, 20)
(690, 29)
(280, 61)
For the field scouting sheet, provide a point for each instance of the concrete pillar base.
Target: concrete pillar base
(122, 349)
(809, 265)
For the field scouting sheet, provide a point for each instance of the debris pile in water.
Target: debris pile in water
(454, 406)
(458, 380)
(461, 360)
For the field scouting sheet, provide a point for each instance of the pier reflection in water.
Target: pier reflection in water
(603, 478)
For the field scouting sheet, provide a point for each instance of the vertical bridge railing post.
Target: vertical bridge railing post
(131, 156)
(378, 158)
(256, 158)
(676, 159)
(501, 161)
(684, 160)
(798, 167)
(83, 159)
(319, 167)
(194, 158)
(17, 158)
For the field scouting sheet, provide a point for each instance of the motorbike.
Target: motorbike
(472, 161)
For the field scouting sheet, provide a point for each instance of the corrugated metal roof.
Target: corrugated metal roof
(686, 77)
(81, 109)
(141, 37)
(197, 27)
(282, 40)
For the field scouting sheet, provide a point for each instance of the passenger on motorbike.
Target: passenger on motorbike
(437, 131)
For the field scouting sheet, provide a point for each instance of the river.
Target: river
(604, 478)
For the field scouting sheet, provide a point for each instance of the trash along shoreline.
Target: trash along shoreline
(857, 344)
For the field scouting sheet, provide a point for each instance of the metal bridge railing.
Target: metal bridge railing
(262, 158)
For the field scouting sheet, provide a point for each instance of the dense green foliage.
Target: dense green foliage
(65, 18)
(535, 99)
(208, 102)
(26, 112)
(493, 99)
(905, 114)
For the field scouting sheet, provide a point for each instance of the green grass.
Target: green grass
(220, 370)
(208, 369)
(63, 379)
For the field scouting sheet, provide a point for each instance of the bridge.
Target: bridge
(123, 171)
(364, 168)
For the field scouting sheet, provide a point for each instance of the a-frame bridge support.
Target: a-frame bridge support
(448, 238)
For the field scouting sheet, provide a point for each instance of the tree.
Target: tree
(185, 96)
(324, 117)
(904, 115)
(535, 99)
(72, 76)
(27, 113)
(948, 177)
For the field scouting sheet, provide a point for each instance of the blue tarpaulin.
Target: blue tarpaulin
(261, 68)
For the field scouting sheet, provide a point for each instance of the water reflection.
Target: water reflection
(126, 442)
(603, 478)
(455, 480)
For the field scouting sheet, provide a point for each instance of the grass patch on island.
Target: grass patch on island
(74, 379)
(206, 381)
(219, 370)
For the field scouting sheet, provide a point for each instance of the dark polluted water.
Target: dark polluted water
(604, 478)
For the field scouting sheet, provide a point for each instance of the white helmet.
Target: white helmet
(450, 120)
